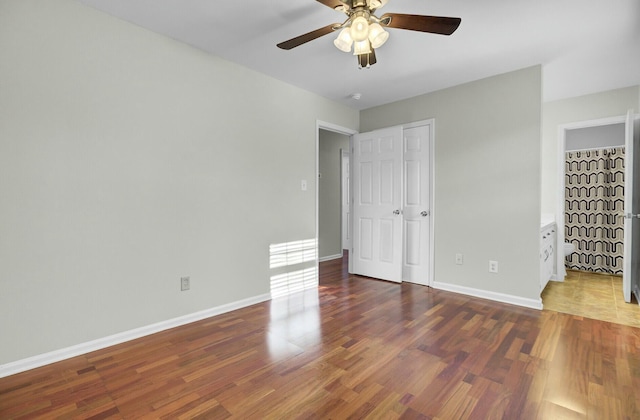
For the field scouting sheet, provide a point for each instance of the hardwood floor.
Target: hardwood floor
(592, 295)
(354, 348)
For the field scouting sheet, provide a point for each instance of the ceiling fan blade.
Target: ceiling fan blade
(432, 24)
(309, 36)
(332, 3)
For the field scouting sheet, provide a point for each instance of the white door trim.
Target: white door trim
(345, 201)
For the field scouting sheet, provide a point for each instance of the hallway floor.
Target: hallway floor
(591, 295)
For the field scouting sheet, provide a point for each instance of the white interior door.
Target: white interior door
(377, 181)
(346, 201)
(416, 209)
(630, 280)
(635, 230)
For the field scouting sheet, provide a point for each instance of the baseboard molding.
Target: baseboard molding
(554, 277)
(485, 294)
(330, 257)
(104, 342)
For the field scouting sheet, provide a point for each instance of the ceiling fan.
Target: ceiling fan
(365, 31)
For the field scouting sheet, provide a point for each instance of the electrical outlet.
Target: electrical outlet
(493, 266)
(185, 283)
(459, 259)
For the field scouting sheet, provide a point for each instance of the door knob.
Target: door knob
(396, 212)
(424, 213)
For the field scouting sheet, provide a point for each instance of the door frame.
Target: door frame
(432, 183)
(345, 158)
(561, 271)
(327, 126)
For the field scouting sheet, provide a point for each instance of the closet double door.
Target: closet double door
(391, 204)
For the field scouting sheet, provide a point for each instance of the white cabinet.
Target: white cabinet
(547, 253)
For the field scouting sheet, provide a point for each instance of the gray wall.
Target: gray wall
(329, 193)
(601, 136)
(487, 178)
(128, 160)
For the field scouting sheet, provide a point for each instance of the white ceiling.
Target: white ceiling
(585, 46)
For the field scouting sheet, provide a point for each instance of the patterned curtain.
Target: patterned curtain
(594, 200)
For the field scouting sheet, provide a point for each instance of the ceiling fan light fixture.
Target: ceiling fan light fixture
(343, 42)
(365, 32)
(376, 4)
(361, 47)
(359, 29)
(377, 35)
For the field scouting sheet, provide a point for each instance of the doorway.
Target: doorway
(585, 141)
(594, 198)
(330, 141)
(330, 194)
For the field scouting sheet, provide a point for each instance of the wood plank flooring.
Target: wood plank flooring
(354, 348)
(592, 295)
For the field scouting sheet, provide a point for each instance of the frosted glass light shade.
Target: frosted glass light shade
(377, 35)
(362, 47)
(343, 42)
(376, 4)
(359, 29)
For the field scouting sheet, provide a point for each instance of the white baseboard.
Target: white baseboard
(554, 277)
(101, 343)
(330, 257)
(485, 294)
